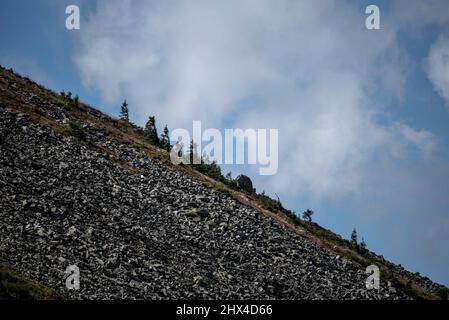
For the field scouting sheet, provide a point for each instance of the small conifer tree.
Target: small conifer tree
(354, 237)
(165, 139)
(307, 215)
(124, 111)
(151, 131)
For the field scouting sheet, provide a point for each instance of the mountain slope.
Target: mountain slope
(80, 188)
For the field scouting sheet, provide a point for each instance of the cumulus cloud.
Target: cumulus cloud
(309, 69)
(250, 64)
(424, 140)
(438, 67)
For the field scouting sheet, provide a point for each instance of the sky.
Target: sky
(363, 115)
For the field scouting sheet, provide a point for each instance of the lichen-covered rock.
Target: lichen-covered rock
(244, 183)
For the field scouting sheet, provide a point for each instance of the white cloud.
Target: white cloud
(438, 67)
(307, 68)
(205, 59)
(424, 140)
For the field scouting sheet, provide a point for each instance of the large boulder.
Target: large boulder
(244, 183)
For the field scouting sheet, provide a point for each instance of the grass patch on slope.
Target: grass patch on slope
(15, 286)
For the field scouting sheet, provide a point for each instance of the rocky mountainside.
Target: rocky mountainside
(138, 227)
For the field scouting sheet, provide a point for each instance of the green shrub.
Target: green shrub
(67, 102)
(273, 205)
(443, 293)
(74, 129)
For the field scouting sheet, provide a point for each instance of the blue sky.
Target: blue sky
(362, 115)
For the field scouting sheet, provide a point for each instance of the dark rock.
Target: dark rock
(245, 184)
